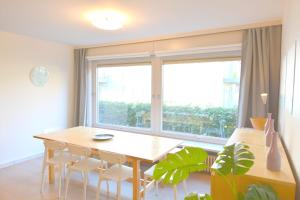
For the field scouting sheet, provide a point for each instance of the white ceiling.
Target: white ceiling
(64, 20)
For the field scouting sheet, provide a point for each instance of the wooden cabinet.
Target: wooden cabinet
(283, 182)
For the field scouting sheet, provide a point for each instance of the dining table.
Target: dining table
(135, 146)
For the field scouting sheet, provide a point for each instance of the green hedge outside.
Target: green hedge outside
(217, 122)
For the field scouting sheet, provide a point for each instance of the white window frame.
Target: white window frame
(190, 136)
(96, 65)
(156, 63)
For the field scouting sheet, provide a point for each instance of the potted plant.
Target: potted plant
(234, 160)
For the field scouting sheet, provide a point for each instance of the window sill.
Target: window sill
(209, 144)
(209, 147)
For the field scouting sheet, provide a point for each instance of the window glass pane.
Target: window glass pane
(201, 97)
(124, 96)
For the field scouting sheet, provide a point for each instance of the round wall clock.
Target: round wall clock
(39, 76)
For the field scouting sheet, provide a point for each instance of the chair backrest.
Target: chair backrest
(79, 151)
(57, 149)
(112, 158)
(54, 145)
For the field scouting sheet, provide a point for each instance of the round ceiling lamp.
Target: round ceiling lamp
(107, 20)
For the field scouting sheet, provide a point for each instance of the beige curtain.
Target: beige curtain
(260, 73)
(82, 89)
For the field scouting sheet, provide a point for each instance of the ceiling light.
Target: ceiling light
(107, 20)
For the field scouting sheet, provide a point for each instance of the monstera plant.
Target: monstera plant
(178, 166)
(195, 196)
(260, 192)
(234, 160)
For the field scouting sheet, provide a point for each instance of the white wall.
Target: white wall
(290, 121)
(25, 109)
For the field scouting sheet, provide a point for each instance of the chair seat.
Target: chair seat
(149, 172)
(117, 172)
(90, 165)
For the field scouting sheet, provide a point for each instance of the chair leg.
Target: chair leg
(98, 188)
(60, 180)
(107, 188)
(43, 174)
(64, 171)
(156, 188)
(118, 190)
(43, 178)
(175, 192)
(85, 183)
(184, 187)
(82, 175)
(67, 183)
(145, 187)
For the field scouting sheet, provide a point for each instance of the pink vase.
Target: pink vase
(269, 133)
(267, 124)
(273, 157)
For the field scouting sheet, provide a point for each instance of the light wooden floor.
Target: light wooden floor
(22, 182)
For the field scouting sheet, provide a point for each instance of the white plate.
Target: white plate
(101, 137)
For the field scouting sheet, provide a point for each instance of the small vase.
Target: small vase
(273, 157)
(267, 124)
(269, 133)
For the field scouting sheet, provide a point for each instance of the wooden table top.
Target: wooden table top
(256, 141)
(144, 147)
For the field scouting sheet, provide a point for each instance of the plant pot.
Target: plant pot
(258, 122)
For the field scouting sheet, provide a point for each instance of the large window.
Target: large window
(201, 97)
(189, 99)
(124, 96)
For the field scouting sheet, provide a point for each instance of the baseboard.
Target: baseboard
(24, 159)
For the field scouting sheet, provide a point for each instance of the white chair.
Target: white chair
(59, 160)
(148, 181)
(117, 172)
(84, 165)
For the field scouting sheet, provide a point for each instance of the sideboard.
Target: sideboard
(283, 182)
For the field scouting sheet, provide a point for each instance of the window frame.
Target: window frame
(94, 99)
(156, 64)
(190, 136)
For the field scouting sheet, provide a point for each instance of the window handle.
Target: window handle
(155, 96)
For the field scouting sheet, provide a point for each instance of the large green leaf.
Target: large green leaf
(235, 159)
(260, 192)
(191, 196)
(178, 166)
(195, 196)
(205, 197)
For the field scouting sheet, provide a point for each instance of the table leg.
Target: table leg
(50, 168)
(136, 179)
